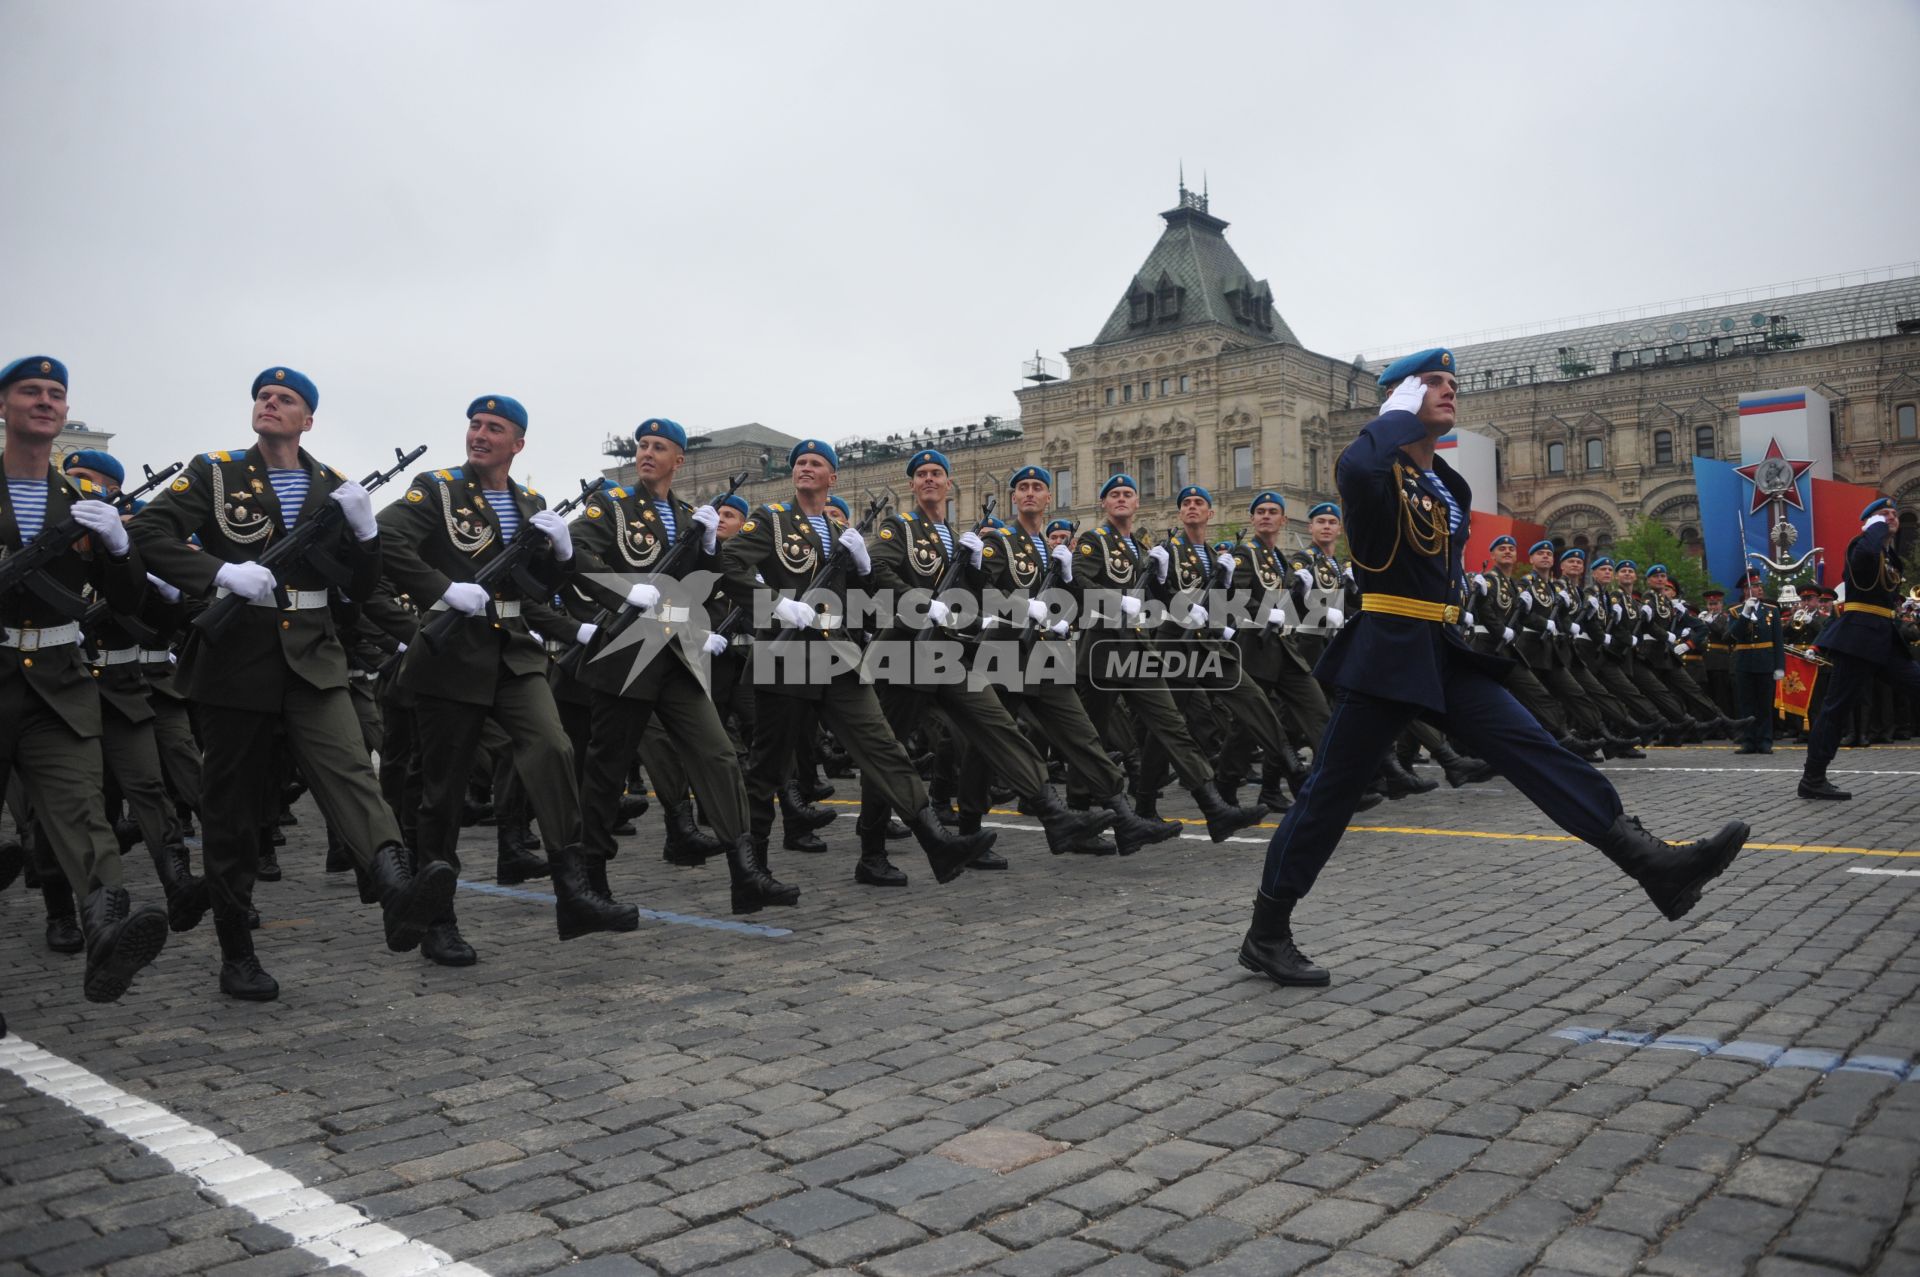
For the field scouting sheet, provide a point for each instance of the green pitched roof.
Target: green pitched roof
(1193, 277)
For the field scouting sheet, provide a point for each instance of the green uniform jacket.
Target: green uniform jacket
(125, 685)
(225, 501)
(618, 537)
(908, 555)
(60, 676)
(445, 531)
(1011, 563)
(1107, 561)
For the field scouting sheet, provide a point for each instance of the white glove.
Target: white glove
(1406, 397)
(587, 630)
(1197, 617)
(1506, 635)
(399, 648)
(857, 547)
(1063, 555)
(464, 597)
(1616, 611)
(1129, 606)
(1036, 611)
(249, 580)
(1553, 627)
(938, 612)
(1646, 611)
(1277, 616)
(1778, 675)
(1336, 618)
(1347, 572)
(1228, 562)
(1680, 648)
(165, 591)
(1304, 577)
(1606, 640)
(709, 520)
(972, 544)
(1227, 631)
(1526, 597)
(1161, 560)
(1878, 518)
(1058, 629)
(1680, 606)
(991, 621)
(1468, 618)
(103, 521)
(1480, 582)
(715, 644)
(1575, 627)
(555, 528)
(642, 597)
(794, 612)
(358, 507)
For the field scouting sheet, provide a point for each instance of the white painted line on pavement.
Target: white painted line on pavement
(1771, 771)
(1887, 873)
(1036, 829)
(334, 1233)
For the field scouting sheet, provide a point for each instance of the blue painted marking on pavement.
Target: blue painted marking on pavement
(1766, 1054)
(653, 915)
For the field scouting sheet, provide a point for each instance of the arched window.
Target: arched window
(1689, 536)
(1663, 447)
(1556, 458)
(1905, 424)
(1703, 441)
(1596, 454)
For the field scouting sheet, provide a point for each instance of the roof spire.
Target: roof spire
(1183, 181)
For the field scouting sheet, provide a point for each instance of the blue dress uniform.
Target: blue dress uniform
(1758, 658)
(1864, 643)
(1404, 657)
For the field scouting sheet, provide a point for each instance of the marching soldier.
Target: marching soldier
(50, 720)
(1759, 661)
(278, 670)
(451, 524)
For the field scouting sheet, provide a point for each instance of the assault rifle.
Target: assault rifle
(820, 592)
(311, 542)
(26, 567)
(511, 564)
(610, 623)
(951, 577)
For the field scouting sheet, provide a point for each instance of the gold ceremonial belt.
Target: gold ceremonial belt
(1417, 609)
(1753, 647)
(1870, 609)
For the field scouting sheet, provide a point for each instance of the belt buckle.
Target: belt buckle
(1450, 614)
(29, 639)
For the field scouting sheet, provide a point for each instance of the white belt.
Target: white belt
(297, 600)
(155, 656)
(503, 608)
(28, 639)
(1481, 629)
(362, 676)
(119, 656)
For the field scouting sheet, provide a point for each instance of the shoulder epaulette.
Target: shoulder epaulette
(524, 488)
(449, 476)
(907, 517)
(237, 454)
(776, 506)
(616, 492)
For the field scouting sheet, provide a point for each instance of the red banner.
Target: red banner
(1488, 526)
(1793, 694)
(1836, 521)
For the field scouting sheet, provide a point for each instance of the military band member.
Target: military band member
(1864, 643)
(50, 715)
(450, 525)
(1759, 658)
(1717, 661)
(1407, 521)
(782, 549)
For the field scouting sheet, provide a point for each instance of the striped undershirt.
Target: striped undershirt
(29, 506)
(504, 510)
(290, 486)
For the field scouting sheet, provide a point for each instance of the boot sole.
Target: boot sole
(868, 881)
(629, 920)
(1220, 833)
(271, 994)
(1292, 982)
(139, 941)
(516, 877)
(429, 896)
(1682, 902)
(1841, 797)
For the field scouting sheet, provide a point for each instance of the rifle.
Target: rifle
(819, 593)
(309, 541)
(610, 623)
(26, 566)
(951, 577)
(509, 565)
(1049, 580)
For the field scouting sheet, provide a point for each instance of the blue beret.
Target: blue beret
(841, 505)
(661, 428)
(298, 382)
(928, 457)
(1041, 473)
(1223, 547)
(94, 459)
(1118, 481)
(1573, 552)
(1439, 359)
(1538, 546)
(499, 406)
(1325, 507)
(996, 525)
(1627, 563)
(735, 501)
(1193, 490)
(1267, 498)
(1602, 562)
(1875, 506)
(1060, 525)
(1503, 539)
(1660, 568)
(814, 447)
(33, 367)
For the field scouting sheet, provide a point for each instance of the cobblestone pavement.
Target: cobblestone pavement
(1519, 1068)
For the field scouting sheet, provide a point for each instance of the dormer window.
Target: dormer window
(1140, 311)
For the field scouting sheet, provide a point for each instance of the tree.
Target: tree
(1648, 543)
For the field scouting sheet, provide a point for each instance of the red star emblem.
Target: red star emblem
(1791, 495)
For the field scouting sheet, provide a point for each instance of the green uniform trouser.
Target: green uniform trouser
(366, 708)
(690, 720)
(1534, 697)
(60, 773)
(241, 757)
(849, 709)
(1250, 715)
(1680, 679)
(449, 737)
(1651, 686)
(1062, 719)
(132, 760)
(1303, 702)
(1612, 675)
(1565, 689)
(1616, 713)
(977, 718)
(1155, 714)
(179, 752)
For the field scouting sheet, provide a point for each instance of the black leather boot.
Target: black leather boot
(444, 944)
(1672, 874)
(687, 844)
(813, 787)
(1223, 821)
(798, 838)
(268, 868)
(970, 824)
(1063, 827)
(801, 814)
(126, 832)
(13, 858)
(1460, 769)
(513, 863)
(63, 926)
(187, 898)
(1273, 794)
(874, 869)
(1132, 831)
(581, 907)
(1812, 786)
(754, 885)
(1400, 782)
(1269, 947)
(241, 975)
(120, 940)
(633, 804)
(949, 854)
(896, 831)
(338, 861)
(410, 898)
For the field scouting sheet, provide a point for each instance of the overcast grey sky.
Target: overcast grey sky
(845, 219)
